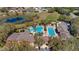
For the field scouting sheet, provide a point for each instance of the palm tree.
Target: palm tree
(5, 31)
(55, 44)
(71, 45)
(23, 10)
(38, 41)
(20, 45)
(5, 10)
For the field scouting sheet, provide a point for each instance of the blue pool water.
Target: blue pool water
(39, 29)
(31, 29)
(51, 31)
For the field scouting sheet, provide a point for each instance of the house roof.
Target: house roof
(21, 36)
(63, 29)
(62, 26)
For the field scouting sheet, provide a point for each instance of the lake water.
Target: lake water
(14, 20)
(17, 20)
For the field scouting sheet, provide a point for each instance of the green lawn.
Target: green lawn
(52, 17)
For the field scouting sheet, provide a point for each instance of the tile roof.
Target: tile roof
(21, 36)
(63, 29)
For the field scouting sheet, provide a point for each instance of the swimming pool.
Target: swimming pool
(39, 29)
(31, 29)
(51, 31)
